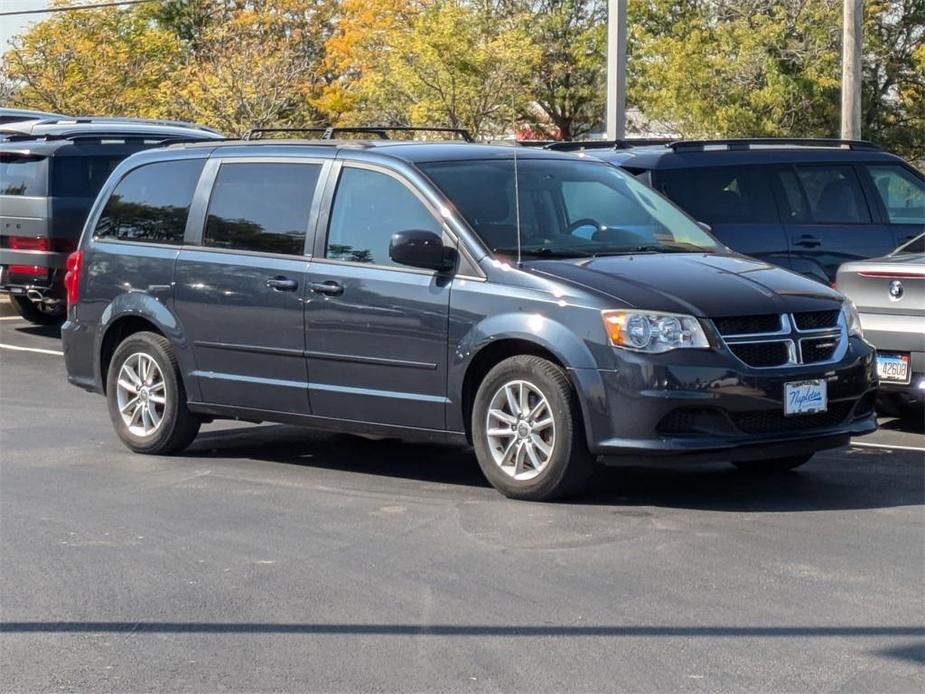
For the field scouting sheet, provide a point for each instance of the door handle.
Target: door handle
(328, 287)
(282, 284)
(807, 241)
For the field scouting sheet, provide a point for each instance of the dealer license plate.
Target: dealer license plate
(893, 367)
(805, 397)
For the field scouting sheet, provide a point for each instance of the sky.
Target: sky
(11, 26)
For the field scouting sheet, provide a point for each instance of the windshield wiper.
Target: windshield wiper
(545, 252)
(653, 248)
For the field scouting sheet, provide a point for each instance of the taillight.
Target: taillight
(30, 270)
(72, 277)
(29, 243)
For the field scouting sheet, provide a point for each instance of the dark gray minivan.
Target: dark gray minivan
(549, 310)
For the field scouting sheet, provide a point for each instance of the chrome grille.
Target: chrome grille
(789, 339)
(816, 320)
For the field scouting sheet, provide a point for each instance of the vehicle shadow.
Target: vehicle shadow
(49, 331)
(841, 480)
(907, 425)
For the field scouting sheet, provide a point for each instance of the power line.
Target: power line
(76, 7)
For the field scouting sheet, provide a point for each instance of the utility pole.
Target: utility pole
(616, 69)
(851, 70)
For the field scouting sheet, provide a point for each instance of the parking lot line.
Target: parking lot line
(32, 349)
(887, 445)
(11, 318)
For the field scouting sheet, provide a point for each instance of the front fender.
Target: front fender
(547, 333)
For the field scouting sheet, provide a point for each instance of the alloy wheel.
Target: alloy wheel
(141, 394)
(520, 429)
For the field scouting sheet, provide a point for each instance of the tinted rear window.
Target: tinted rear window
(261, 207)
(81, 177)
(721, 194)
(151, 203)
(23, 174)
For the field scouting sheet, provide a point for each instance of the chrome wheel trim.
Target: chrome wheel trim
(520, 430)
(141, 394)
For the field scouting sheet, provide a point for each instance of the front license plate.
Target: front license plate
(805, 397)
(893, 368)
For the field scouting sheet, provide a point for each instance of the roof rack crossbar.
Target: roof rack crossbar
(380, 131)
(624, 143)
(748, 142)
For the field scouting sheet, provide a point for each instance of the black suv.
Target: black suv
(547, 309)
(50, 173)
(807, 205)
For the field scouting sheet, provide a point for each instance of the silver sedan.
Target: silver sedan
(889, 293)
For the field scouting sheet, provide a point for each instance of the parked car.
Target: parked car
(13, 115)
(890, 295)
(50, 173)
(546, 309)
(806, 205)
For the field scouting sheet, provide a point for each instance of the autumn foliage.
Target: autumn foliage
(703, 67)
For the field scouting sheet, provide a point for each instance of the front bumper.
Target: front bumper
(698, 405)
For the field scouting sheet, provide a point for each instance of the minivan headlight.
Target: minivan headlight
(852, 319)
(647, 331)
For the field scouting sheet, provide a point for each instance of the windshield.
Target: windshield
(567, 209)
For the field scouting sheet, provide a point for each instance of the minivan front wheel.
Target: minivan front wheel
(147, 401)
(527, 431)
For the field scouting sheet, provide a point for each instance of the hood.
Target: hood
(704, 285)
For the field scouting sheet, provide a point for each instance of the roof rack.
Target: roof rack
(380, 131)
(735, 144)
(113, 120)
(625, 143)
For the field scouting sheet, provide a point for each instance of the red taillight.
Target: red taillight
(29, 243)
(72, 277)
(30, 270)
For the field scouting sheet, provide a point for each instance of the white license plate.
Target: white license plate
(893, 367)
(805, 397)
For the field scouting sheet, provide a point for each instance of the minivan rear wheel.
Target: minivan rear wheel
(527, 431)
(40, 314)
(147, 401)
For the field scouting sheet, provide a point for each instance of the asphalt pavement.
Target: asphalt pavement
(270, 558)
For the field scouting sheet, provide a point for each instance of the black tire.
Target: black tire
(569, 464)
(773, 465)
(36, 314)
(178, 426)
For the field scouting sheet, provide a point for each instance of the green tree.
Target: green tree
(749, 67)
(103, 61)
(568, 84)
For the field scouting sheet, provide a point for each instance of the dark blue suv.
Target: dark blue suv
(548, 310)
(807, 205)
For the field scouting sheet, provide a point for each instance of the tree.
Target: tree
(751, 68)
(569, 84)
(103, 61)
(261, 65)
(449, 65)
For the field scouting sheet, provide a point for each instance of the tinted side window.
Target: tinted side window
(833, 194)
(903, 194)
(261, 207)
(81, 177)
(151, 203)
(721, 194)
(368, 208)
(22, 174)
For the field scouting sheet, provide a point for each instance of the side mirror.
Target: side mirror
(706, 227)
(423, 249)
